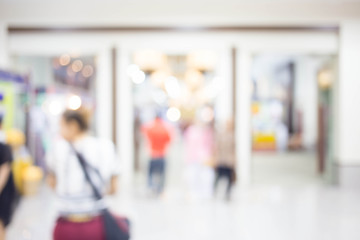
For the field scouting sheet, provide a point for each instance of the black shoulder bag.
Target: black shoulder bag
(113, 229)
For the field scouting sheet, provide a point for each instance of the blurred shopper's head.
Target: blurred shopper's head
(74, 123)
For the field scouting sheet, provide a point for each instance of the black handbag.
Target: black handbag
(111, 226)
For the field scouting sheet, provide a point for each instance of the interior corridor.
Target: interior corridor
(295, 205)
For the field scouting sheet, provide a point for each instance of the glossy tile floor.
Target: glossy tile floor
(286, 202)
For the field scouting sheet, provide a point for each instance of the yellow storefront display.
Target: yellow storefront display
(263, 141)
(19, 168)
(32, 177)
(27, 177)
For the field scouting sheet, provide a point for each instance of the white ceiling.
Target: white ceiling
(177, 12)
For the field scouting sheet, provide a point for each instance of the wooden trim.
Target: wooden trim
(319, 28)
(114, 94)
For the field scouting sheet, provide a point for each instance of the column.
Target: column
(125, 112)
(104, 95)
(347, 102)
(243, 117)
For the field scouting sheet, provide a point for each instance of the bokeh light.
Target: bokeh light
(65, 60)
(74, 102)
(172, 87)
(87, 71)
(173, 114)
(77, 66)
(55, 107)
(135, 74)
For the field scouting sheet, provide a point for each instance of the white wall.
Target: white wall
(243, 117)
(349, 95)
(224, 100)
(3, 45)
(347, 114)
(125, 115)
(175, 13)
(103, 94)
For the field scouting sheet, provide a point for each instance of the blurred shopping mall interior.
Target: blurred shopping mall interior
(285, 72)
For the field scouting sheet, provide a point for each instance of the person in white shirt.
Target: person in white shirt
(77, 203)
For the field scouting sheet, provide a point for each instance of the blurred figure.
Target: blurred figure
(78, 208)
(225, 156)
(199, 153)
(158, 134)
(282, 137)
(137, 140)
(7, 187)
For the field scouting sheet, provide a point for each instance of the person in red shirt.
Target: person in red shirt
(158, 134)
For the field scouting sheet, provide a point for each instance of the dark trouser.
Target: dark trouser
(8, 201)
(157, 169)
(227, 173)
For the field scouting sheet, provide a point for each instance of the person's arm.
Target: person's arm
(113, 185)
(114, 168)
(50, 164)
(5, 170)
(51, 180)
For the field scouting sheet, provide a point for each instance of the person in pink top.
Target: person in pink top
(199, 151)
(199, 144)
(158, 134)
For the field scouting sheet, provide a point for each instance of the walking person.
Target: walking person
(199, 152)
(158, 134)
(225, 157)
(75, 158)
(7, 188)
